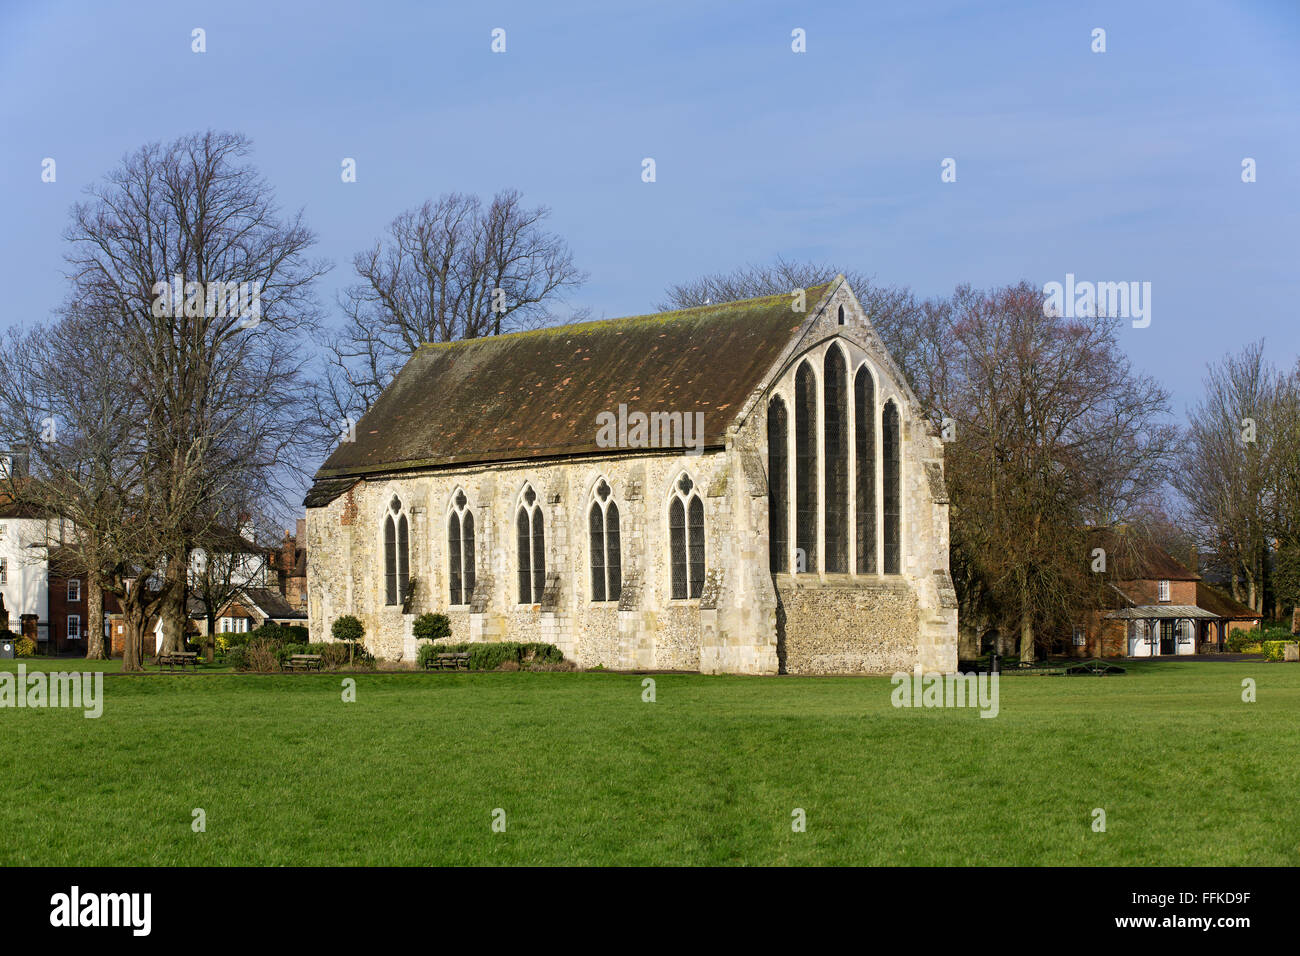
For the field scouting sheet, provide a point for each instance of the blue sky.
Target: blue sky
(1124, 165)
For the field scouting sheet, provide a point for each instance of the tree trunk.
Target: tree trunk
(210, 649)
(1026, 632)
(173, 609)
(96, 647)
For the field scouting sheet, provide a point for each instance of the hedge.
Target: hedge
(489, 655)
(1273, 650)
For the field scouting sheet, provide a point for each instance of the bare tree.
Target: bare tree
(1224, 470)
(1054, 434)
(220, 572)
(64, 399)
(448, 269)
(207, 293)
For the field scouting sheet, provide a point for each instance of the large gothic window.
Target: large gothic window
(890, 437)
(460, 551)
(532, 548)
(686, 540)
(864, 451)
(397, 569)
(778, 486)
(805, 466)
(835, 420)
(606, 562)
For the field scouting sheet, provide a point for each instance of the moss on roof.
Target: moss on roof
(532, 395)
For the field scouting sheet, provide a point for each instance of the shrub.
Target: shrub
(494, 655)
(263, 655)
(1274, 650)
(430, 627)
(237, 657)
(347, 628)
(24, 647)
(1243, 642)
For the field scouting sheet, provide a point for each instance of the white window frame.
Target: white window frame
(74, 627)
(1162, 591)
(74, 589)
(4, 570)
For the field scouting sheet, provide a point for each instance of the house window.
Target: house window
(396, 554)
(460, 550)
(74, 589)
(74, 627)
(1163, 588)
(805, 467)
(233, 625)
(1080, 636)
(889, 433)
(864, 458)
(4, 570)
(686, 540)
(778, 486)
(606, 560)
(835, 418)
(532, 548)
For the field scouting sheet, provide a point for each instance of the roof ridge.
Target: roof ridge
(594, 324)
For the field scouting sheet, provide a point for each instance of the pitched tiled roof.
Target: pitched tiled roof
(1212, 599)
(537, 394)
(1130, 558)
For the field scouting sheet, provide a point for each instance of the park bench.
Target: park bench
(448, 662)
(303, 662)
(178, 659)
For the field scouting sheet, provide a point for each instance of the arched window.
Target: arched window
(686, 540)
(805, 467)
(841, 315)
(532, 548)
(864, 459)
(397, 568)
(606, 562)
(460, 550)
(890, 438)
(835, 417)
(778, 486)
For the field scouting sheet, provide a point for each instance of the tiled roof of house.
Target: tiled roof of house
(537, 394)
(1132, 558)
(1212, 599)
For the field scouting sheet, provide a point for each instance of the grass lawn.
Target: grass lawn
(708, 774)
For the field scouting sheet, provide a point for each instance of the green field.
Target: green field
(710, 773)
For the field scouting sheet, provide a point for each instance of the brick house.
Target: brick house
(1153, 606)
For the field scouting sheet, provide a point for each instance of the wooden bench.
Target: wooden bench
(303, 662)
(448, 662)
(181, 659)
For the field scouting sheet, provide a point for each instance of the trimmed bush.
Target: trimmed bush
(347, 628)
(431, 627)
(24, 647)
(491, 655)
(1274, 650)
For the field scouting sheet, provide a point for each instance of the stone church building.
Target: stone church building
(747, 487)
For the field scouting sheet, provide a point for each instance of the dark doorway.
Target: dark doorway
(1168, 643)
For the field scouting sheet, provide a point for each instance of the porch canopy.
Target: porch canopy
(1161, 612)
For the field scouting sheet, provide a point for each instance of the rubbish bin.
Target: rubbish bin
(7, 649)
